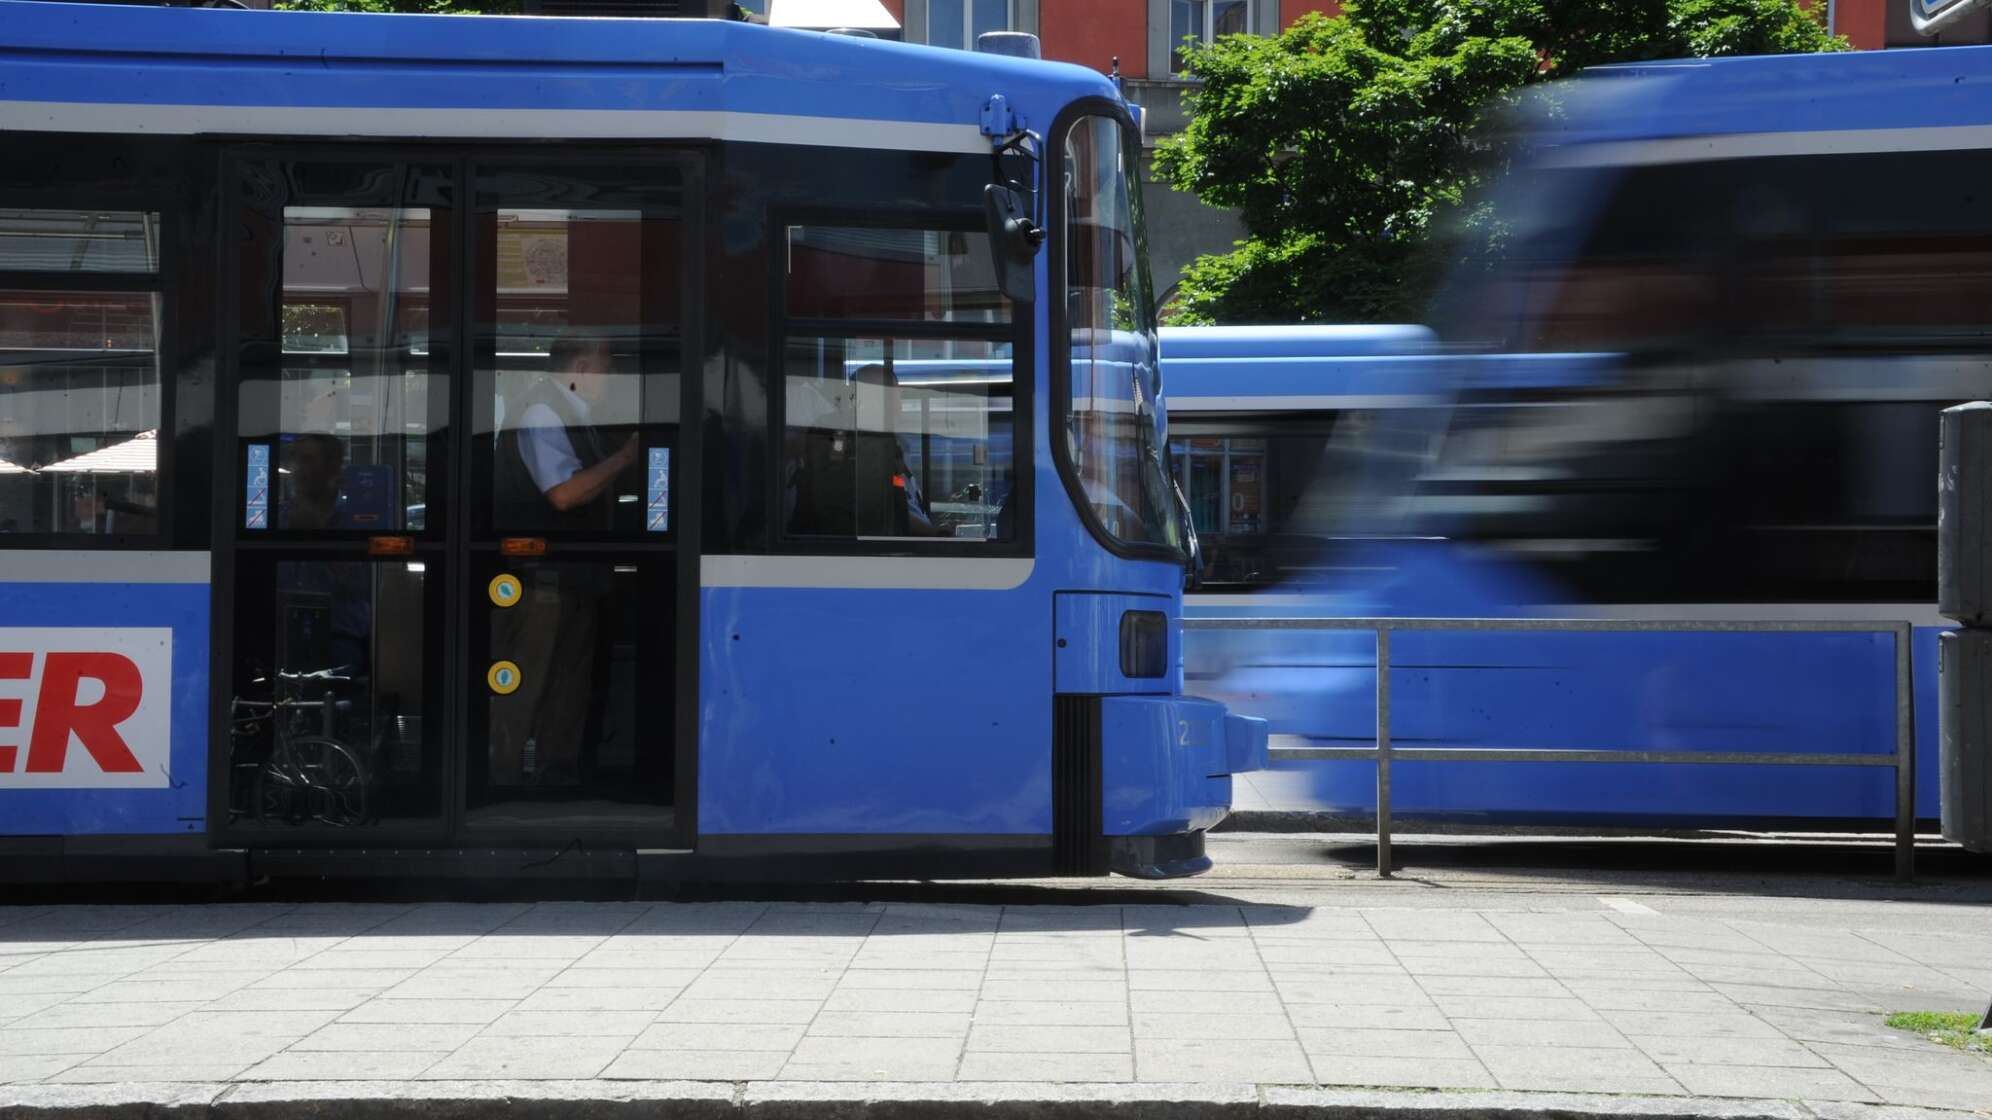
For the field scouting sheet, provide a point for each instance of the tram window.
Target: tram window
(1112, 431)
(1261, 504)
(846, 272)
(79, 413)
(79, 241)
(332, 681)
(346, 413)
(898, 439)
(585, 322)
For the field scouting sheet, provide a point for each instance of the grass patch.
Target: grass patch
(1956, 1029)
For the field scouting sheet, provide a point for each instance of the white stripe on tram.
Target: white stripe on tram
(1916, 614)
(1761, 145)
(514, 124)
(917, 573)
(66, 566)
(1179, 406)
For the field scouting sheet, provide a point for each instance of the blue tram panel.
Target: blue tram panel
(976, 652)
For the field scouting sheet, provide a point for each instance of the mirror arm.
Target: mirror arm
(1015, 231)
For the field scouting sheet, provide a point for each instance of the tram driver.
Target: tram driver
(555, 469)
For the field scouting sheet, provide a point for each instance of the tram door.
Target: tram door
(574, 419)
(455, 547)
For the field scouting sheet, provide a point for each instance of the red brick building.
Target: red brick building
(1092, 32)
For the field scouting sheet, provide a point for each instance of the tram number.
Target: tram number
(85, 708)
(1189, 733)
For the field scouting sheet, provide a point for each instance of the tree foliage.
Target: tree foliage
(1346, 140)
(405, 7)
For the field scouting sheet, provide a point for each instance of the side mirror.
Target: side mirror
(1013, 242)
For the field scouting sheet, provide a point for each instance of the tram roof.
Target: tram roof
(115, 68)
(1842, 101)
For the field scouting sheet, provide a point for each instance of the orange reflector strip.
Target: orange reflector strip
(390, 546)
(523, 546)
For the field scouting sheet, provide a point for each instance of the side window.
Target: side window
(342, 401)
(80, 394)
(1791, 326)
(899, 419)
(1204, 21)
(957, 23)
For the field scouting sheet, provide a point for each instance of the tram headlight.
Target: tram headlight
(1144, 644)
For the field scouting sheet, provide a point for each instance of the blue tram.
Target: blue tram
(443, 444)
(1699, 380)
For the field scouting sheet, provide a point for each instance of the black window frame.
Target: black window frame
(443, 389)
(158, 284)
(1017, 332)
(685, 161)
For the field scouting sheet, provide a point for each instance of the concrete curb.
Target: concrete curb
(718, 1100)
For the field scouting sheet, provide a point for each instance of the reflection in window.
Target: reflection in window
(79, 241)
(957, 23)
(1204, 21)
(1112, 423)
(79, 413)
(346, 416)
(865, 273)
(584, 395)
(1246, 498)
(327, 726)
(893, 438)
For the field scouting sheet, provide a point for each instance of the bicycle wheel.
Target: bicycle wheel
(333, 778)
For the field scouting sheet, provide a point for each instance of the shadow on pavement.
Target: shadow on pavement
(1718, 864)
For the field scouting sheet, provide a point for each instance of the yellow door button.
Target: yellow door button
(503, 677)
(504, 590)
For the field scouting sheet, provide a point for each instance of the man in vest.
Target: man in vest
(553, 472)
(554, 469)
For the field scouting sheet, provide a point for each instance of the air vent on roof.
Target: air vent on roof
(1016, 44)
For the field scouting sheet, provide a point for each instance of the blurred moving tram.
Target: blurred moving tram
(1696, 376)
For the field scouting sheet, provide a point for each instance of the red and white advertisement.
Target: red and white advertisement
(85, 708)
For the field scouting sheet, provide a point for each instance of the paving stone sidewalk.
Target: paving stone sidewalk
(1578, 997)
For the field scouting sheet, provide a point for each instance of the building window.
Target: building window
(1204, 21)
(956, 23)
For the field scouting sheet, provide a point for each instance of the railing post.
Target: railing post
(1905, 758)
(1383, 867)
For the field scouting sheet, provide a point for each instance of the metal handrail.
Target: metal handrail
(1903, 761)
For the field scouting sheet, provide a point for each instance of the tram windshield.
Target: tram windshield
(1113, 417)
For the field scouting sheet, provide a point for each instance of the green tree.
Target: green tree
(1347, 140)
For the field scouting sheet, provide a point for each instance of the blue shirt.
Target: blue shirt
(543, 442)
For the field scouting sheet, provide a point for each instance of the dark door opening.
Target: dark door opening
(455, 554)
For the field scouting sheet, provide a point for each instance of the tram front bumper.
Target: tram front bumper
(1166, 766)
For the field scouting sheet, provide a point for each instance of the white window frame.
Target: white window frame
(1208, 31)
(1011, 16)
(1262, 17)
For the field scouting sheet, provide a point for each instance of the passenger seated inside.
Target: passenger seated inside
(848, 470)
(314, 464)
